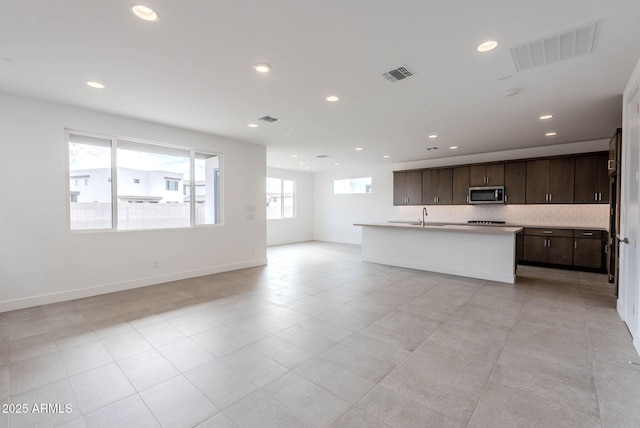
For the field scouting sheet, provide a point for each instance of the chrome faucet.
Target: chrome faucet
(424, 214)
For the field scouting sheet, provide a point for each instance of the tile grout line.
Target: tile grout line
(593, 368)
(498, 358)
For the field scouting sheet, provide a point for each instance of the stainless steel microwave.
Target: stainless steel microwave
(486, 195)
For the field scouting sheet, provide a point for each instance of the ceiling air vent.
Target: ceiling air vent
(431, 148)
(568, 44)
(323, 156)
(269, 119)
(399, 73)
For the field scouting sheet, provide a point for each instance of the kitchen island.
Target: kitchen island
(466, 250)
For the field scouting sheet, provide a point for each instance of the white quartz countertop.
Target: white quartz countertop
(447, 227)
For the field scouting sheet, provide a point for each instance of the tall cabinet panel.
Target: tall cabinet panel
(592, 179)
(537, 181)
(515, 182)
(561, 180)
(461, 185)
(407, 187)
(437, 186)
(550, 181)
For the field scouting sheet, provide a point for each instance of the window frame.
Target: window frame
(350, 179)
(295, 210)
(114, 183)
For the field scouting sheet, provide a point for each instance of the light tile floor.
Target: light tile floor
(317, 338)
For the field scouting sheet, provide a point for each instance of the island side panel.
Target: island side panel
(484, 255)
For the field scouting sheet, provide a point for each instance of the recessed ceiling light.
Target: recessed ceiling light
(487, 46)
(294, 156)
(386, 156)
(337, 163)
(287, 135)
(145, 13)
(432, 136)
(307, 167)
(301, 163)
(359, 149)
(252, 125)
(546, 116)
(332, 98)
(453, 147)
(262, 67)
(551, 134)
(95, 85)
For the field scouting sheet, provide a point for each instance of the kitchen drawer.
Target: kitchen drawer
(548, 232)
(593, 234)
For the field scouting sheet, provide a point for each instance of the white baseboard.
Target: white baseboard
(337, 240)
(293, 241)
(44, 299)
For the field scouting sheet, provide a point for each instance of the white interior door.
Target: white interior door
(630, 215)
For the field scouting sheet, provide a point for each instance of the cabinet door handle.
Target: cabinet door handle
(606, 249)
(575, 245)
(587, 233)
(506, 198)
(546, 197)
(550, 196)
(611, 164)
(600, 196)
(548, 232)
(408, 200)
(467, 198)
(549, 243)
(595, 196)
(487, 180)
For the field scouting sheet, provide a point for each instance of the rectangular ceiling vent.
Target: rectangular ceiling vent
(323, 156)
(269, 119)
(568, 44)
(431, 148)
(399, 73)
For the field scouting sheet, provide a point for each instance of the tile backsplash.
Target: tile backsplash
(583, 215)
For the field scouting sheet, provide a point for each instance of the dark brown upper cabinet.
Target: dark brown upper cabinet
(592, 179)
(407, 187)
(515, 182)
(461, 185)
(491, 174)
(437, 186)
(550, 181)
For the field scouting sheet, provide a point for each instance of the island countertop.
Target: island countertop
(474, 251)
(448, 227)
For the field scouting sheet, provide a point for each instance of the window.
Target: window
(172, 185)
(91, 206)
(352, 185)
(145, 192)
(280, 202)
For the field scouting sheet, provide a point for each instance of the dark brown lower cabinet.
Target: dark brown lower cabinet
(587, 253)
(567, 248)
(548, 250)
(588, 249)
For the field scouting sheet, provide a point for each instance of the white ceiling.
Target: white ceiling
(193, 69)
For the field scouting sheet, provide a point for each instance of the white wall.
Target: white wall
(296, 229)
(41, 261)
(336, 214)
